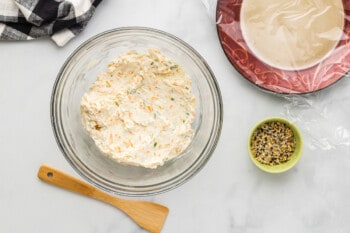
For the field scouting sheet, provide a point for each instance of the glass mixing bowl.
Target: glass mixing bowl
(81, 70)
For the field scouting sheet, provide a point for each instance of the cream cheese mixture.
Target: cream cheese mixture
(140, 110)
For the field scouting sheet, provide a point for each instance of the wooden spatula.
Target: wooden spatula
(148, 215)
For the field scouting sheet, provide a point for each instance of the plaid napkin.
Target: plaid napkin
(32, 19)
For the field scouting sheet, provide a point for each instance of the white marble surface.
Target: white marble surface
(229, 195)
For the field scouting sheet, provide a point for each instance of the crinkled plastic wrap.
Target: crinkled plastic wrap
(284, 46)
(294, 49)
(323, 117)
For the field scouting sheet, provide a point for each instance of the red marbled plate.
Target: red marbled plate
(325, 73)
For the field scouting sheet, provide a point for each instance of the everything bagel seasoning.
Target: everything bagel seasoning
(273, 143)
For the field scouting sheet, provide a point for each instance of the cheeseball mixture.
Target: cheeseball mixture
(139, 112)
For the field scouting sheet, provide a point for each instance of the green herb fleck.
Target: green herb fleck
(172, 99)
(152, 63)
(155, 144)
(174, 67)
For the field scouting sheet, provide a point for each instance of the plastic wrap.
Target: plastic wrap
(323, 116)
(286, 46)
(280, 59)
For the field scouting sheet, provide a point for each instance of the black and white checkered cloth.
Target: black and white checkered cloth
(32, 19)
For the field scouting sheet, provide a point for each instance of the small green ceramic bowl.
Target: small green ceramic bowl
(294, 157)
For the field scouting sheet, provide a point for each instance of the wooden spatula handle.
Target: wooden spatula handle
(63, 180)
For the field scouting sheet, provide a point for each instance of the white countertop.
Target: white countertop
(228, 195)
